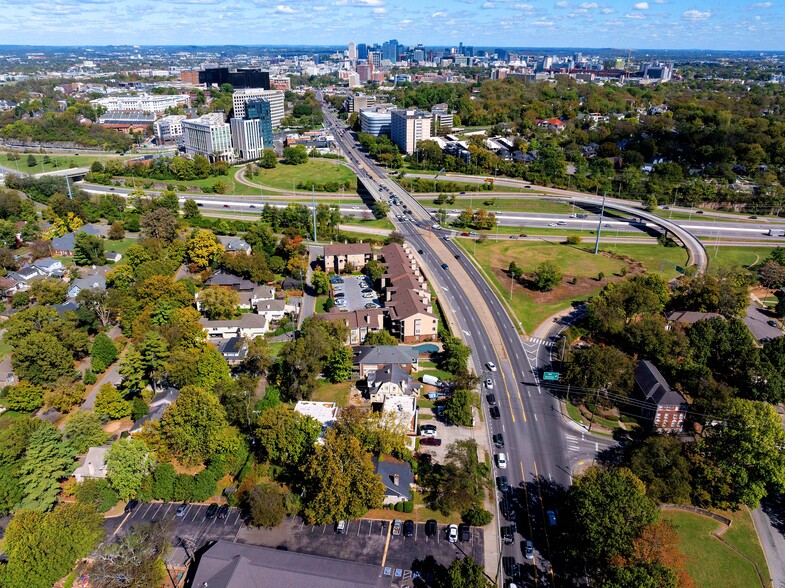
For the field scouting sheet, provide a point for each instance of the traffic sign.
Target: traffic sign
(551, 376)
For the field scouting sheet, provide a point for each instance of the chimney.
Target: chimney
(396, 479)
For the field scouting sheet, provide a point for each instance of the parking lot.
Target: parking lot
(193, 527)
(353, 295)
(364, 541)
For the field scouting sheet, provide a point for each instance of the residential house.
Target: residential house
(397, 478)
(67, 306)
(96, 281)
(156, 407)
(24, 275)
(50, 267)
(9, 286)
(225, 564)
(272, 310)
(368, 359)
(249, 292)
(324, 412)
(553, 124)
(113, 257)
(94, 465)
(233, 349)
(65, 245)
(248, 325)
(664, 408)
(235, 245)
(390, 381)
(336, 257)
(689, 317)
(360, 322)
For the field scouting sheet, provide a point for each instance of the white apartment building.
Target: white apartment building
(375, 121)
(144, 102)
(409, 127)
(246, 138)
(274, 97)
(442, 118)
(210, 136)
(169, 128)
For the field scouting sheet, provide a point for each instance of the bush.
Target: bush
(96, 492)
(398, 507)
(204, 486)
(476, 516)
(408, 506)
(89, 377)
(183, 488)
(163, 478)
(574, 240)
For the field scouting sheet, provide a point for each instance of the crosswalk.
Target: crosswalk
(573, 442)
(538, 341)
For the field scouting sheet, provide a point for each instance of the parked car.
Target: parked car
(502, 483)
(508, 536)
(491, 366)
(430, 528)
(223, 511)
(396, 529)
(132, 504)
(528, 550)
(181, 510)
(464, 532)
(339, 294)
(211, 510)
(430, 441)
(452, 533)
(494, 412)
(340, 528)
(428, 430)
(371, 305)
(489, 384)
(408, 529)
(491, 398)
(772, 323)
(498, 440)
(551, 515)
(501, 461)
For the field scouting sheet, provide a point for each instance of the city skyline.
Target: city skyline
(652, 24)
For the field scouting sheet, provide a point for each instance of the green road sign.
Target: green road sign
(553, 376)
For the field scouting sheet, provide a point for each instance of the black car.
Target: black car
(508, 536)
(491, 398)
(498, 440)
(420, 251)
(501, 481)
(211, 510)
(494, 412)
(223, 511)
(511, 567)
(445, 266)
(408, 528)
(132, 504)
(464, 532)
(431, 528)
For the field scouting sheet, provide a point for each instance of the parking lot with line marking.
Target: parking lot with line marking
(353, 295)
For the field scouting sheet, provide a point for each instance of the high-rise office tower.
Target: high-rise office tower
(352, 52)
(362, 51)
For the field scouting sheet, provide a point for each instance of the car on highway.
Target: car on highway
(223, 511)
(514, 237)
(211, 510)
(501, 461)
(551, 224)
(132, 504)
(445, 266)
(464, 234)
(528, 550)
(431, 528)
(607, 226)
(573, 216)
(446, 238)
(491, 366)
(491, 398)
(561, 224)
(494, 412)
(396, 528)
(551, 516)
(420, 251)
(464, 532)
(408, 528)
(226, 206)
(498, 440)
(502, 483)
(181, 510)
(428, 430)
(431, 441)
(489, 384)
(522, 235)
(452, 533)
(508, 534)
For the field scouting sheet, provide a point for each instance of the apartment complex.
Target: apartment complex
(408, 128)
(375, 121)
(337, 257)
(246, 138)
(275, 97)
(210, 136)
(143, 102)
(169, 128)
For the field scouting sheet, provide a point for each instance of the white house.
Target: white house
(272, 310)
(248, 325)
(94, 465)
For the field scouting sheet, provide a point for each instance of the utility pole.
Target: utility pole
(68, 185)
(599, 226)
(313, 210)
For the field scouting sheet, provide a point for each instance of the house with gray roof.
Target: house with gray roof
(156, 408)
(65, 245)
(92, 282)
(94, 465)
(369, 358)
(397, 478)
(49, 266)
(248, 325)
(237, 565)
(664, 408)
(235, 245)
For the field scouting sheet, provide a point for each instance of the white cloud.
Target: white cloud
(523, 6)
(660, 1)
(281, 9)
(543, 23)
(562, 4)
(634, 15)
(320, 8)
(406, 22)
(589, 5)
(763, 5)
(641, 6)
(694, 14)
(380, 11)
(439, 14)
(488, 5)
(360, 3)
(607, 10)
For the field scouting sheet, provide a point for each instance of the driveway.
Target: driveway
(757, 319)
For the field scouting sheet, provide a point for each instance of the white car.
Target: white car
(489, 384)
(452, 533)
(501, 461)
(491, 366)
(370, 295)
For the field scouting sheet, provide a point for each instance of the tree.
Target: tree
(155, 352)
(269, 159)
(31, 160)
(515, 271)
(375, 269)
(296, 155)
(132, 368)
(459, 408)
(194, 426)
(457, 484)
(599, 365)
(641, 575)
(202, 365)
(379, 433)
(258, 358)
(285, 437)
(110, 402)
(42, 547)
(476, 516)
(128, 461)
(88, 250)
(49, 291)
(97, 493)
(455, 354)
(381, 209)
(546, 276)
(218, 303)
(100, 302)
(338, 366)
(163, 481)
(339, 481)
(24, 397)
(47, 461)
(135, 561)
(266, 506)
(159, 223)
(740, 460)
(191, 210)
(320, 283)
(607, 510)
(203, 248)
(65, 394)
(116, 231)
(377, 338)
(771, 274)
(41, 359)
(466, 573)
(660, 462)
(103, 352)
(84, 430)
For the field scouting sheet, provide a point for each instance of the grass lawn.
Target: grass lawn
(377, 223)
(608, 237)
(366, 237)
(656, 258)
(275, 348)
(55, 161)
(320, 304)
(504, 204)
(120, 246)
(286, 177)
(745, 256)
(575, 414)
(428, 367)
(338, 393)
(710, 563)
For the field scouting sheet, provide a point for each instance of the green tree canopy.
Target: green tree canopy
(41, 358)
(88, 250)
(286, 437)
(128, 461)
(84, 430)
(111, 402)
(47, 461)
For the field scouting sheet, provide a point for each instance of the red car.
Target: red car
(464, 234)
(430, 441)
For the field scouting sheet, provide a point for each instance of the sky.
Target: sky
(622, 24)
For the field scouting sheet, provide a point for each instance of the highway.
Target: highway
(534, 432)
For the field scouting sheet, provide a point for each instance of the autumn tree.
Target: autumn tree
(266, 505)
(285, 437)
(203, 248)
(24, 397)
(83, 430)
(219, 303)
(110, 402)
(136, 560)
